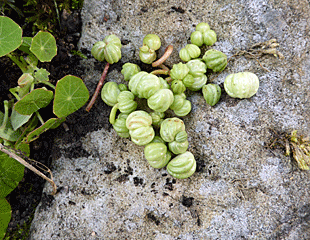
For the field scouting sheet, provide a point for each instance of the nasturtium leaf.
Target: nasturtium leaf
(11, 173)
(25, 47)
(6, 130)
(18, 120)
(33, 101)
(43, 46)
(10, 35)
(70, 95)
(41, 75)
(29, 127)
(5, 216)
(49, 124)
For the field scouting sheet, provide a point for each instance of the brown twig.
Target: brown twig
(160, 72)
(99, 86)
(167, 53)
(29, 166)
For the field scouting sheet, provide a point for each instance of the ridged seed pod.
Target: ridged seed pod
(209, 37)
(164, 84)
(157, 118)
(129, 69)
(196, 67)
(211, 93)
(177, 87)
(203, 35)
(140, 127)
(147, 55)
(180, 106)
(189, 52)
(161, 100)
(144, 85)
(170, 127)
(178, 147)
(182, 166)
(215, 60)
(122, 87)
(197, 38)
(109, 93)
(157, 154)
(126, 102)
(120, 125)
(202, 27)
(152, 41)
(198, 83)
(109, 49)
(179, 71)
(241, 85)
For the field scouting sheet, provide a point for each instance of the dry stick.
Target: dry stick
(160, 72)
(29, 166)
(167, 53)
(99, 86)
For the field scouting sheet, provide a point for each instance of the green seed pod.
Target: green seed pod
(25, 79)
(241, 85)
(177, 87)
(157, 154)
(147, 55)
(181, 136)
(196, 67)
(126, 102)
(197, 38)
(211, 93)
(184, 110)
(209, 37)
(189, 52)
(109, 93)
(178, 147)
(98, 50)
(109, 49)
(120, 125)
(157, 118)
(161, 100)
(198, 83)
(179, 71)
(215, 60)
(182, 166)
(129, 69)
(163, 84)
(170, 127)
(122, 87)
(202, 27)
(152, 41)
(140, 129)
(180, 105)
(188, 80)
(180, 144)
(144, 85)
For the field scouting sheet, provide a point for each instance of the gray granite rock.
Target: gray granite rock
(242, 189)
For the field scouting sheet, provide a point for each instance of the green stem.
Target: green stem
(160, 72)
(48, 84)
(6, 113)
(113, 114)
(40, 118)
(21, 65)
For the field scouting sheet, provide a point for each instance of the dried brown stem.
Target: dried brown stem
(160, 72)
(167, 53)
(29, 166)
(99, 86)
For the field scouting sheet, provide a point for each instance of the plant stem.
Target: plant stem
(99, 86)
(40, 118)
(48, 84)
(29, 166)
(167, 53)
(21, 65)
(113, 114)
(160, 72)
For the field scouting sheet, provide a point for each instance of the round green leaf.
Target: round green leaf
(33, 101)
(5, 216)
(10, 35)
(43, 46)
(70, 95)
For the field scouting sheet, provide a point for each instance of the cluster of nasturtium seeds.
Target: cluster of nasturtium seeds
(164, 94)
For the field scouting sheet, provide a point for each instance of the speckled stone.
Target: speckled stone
(242, 189)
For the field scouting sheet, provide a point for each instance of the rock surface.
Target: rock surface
(242, 189)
